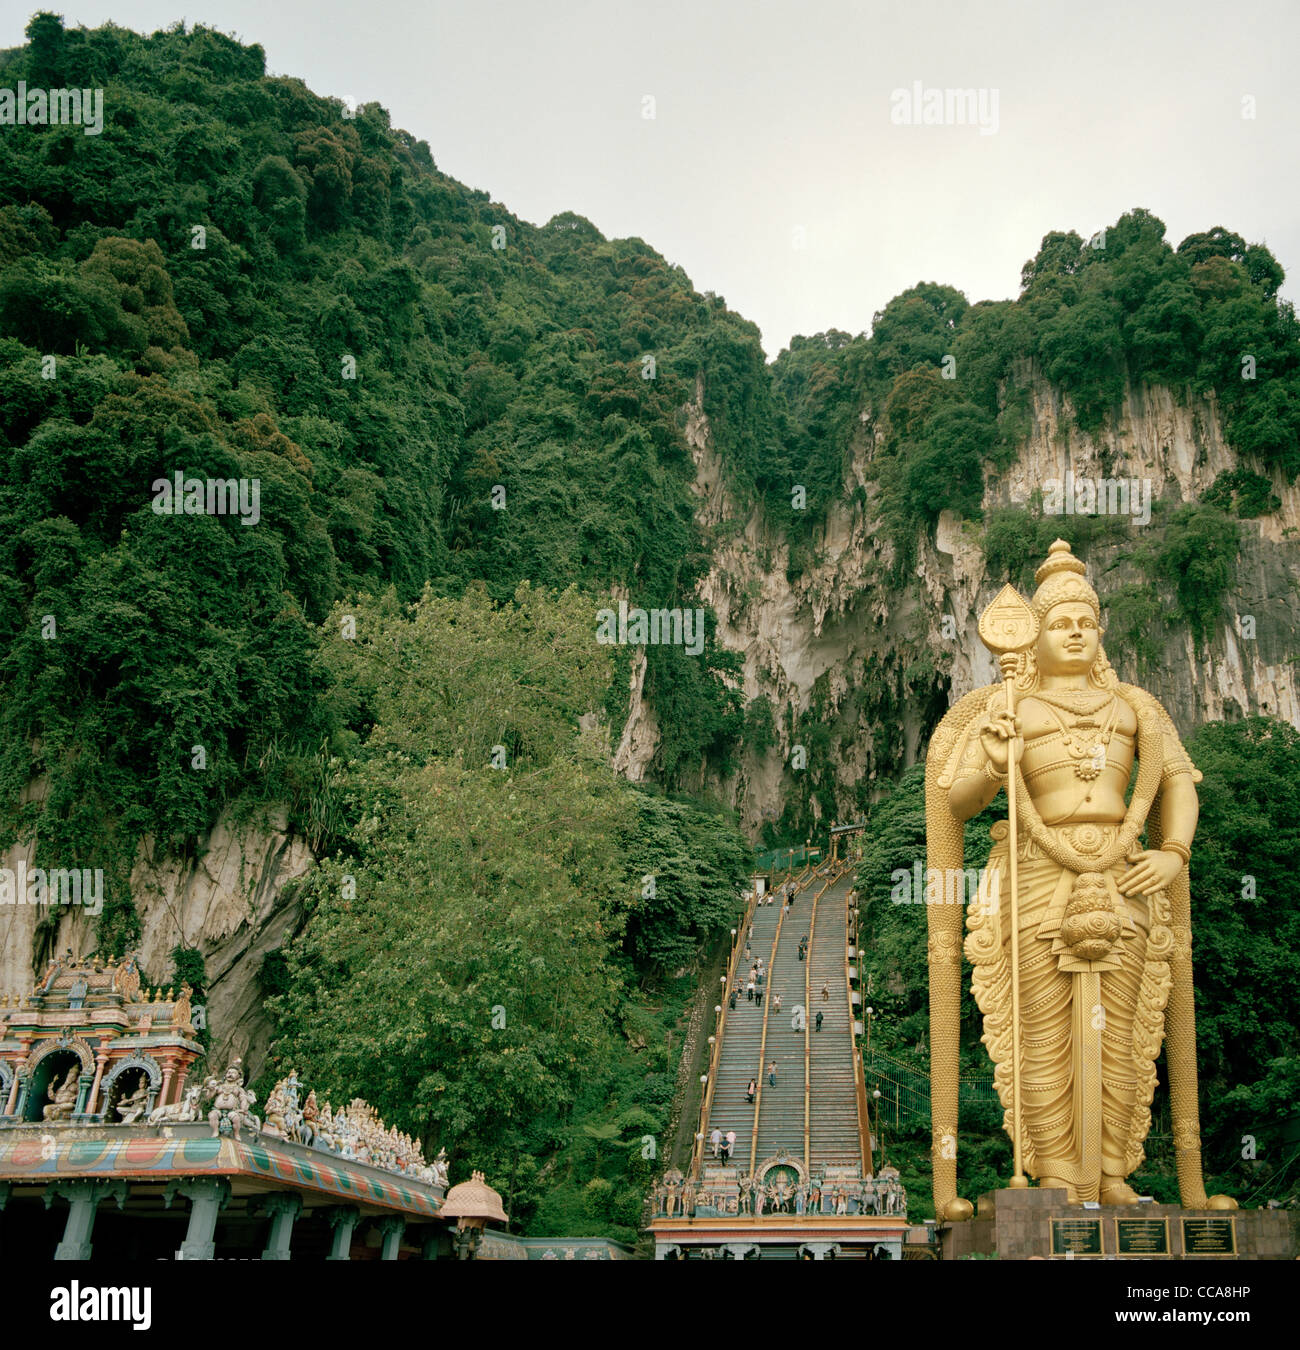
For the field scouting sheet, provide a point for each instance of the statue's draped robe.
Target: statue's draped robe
(1090, 1029)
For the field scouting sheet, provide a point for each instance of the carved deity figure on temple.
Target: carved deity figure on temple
(1101, 923)
(63, 1096)
(231, 1104)
(131, 1107)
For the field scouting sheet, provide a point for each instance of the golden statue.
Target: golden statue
(1079, 939)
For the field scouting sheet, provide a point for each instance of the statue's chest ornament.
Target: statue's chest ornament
(1086, 738)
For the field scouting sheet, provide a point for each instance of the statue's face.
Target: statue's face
(1068, 640)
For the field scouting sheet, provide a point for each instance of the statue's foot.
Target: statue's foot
(1116, 1191)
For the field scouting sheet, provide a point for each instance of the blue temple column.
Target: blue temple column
(83, 1199)
(343, 1220)
(391, 1229)
(208, 1196)
(283, 1208)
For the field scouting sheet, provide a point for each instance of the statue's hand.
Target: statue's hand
(997, 732)
(1152, 870)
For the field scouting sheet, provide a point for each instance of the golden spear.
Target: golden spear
(1007, 628)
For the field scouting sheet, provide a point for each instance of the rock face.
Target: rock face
(856, 665)
(229, 904)
(846, 650)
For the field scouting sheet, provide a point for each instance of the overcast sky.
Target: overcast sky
(772, 168)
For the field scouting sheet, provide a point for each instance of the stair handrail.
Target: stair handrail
(859, 1078)
(807, 1037)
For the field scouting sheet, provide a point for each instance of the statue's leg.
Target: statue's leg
(1047, 1091)
(1123, 1064)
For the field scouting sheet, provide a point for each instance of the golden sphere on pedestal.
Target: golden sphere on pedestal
(958, 1211)
(1220, 1202)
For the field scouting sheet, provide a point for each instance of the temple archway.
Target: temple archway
(126, 1079)
(47, 1076)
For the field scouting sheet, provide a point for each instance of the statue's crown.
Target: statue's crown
(1062, 578)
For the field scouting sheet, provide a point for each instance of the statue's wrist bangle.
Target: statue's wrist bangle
(991, 773)
(1173, 846)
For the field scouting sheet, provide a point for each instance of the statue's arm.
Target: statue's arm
(1156, 868)
(979, 777)
(972, 792)
(1179, 811)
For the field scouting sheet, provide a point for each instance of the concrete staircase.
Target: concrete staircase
(781, 1108)
(833, 1134)
(739, 1055)
(815, 1084)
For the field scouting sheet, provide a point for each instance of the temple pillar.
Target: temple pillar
(179, 1094)
(17, 1097)
(169, 1068)
(343, 1220)
(208, 1196)
(429, 1247)
(101, 1059)
(12, 1104)
(820, 1251)
(5, 1188)
(83, 1199)
(283, 1208)
(391, 1229)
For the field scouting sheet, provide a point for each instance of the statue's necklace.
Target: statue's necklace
(1086, 740)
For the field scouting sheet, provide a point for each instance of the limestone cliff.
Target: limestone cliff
(857, 668)
(228, 903)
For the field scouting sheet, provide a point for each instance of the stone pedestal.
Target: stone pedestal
(1016, 1225)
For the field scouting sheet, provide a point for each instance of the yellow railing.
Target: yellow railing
(807, 1035)
(859, 1078)
(706, 1105)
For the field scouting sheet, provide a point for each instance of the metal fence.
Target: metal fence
(779, 859)
(905, 1089)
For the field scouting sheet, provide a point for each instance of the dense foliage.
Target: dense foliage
(946, 383)
(238, 280)
(494, 901)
